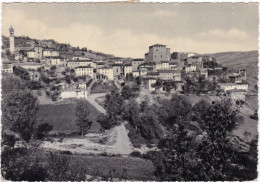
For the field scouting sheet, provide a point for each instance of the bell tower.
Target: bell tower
(11, 40)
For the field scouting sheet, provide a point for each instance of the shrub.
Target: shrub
(66, 152)
(136, 154)
(43, 130)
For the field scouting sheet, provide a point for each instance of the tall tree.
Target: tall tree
(82, 111)
(114, 103)
(215, 150)
(19, 113)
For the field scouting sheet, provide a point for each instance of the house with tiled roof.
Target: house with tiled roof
(84, 71)
(7, 67)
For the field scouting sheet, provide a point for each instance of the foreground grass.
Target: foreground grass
(132, 168)
(62, 117)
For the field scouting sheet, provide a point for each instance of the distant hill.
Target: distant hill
(236, 60)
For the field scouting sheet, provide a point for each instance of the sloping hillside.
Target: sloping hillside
(236, 60)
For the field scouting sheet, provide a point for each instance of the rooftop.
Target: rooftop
(6, 66)
(168, 71)
(230, 84)
(147, 64)
(157, 45)
(53, 57)
(87, 60)
(100, 63)
(117, 64)
(138, 60)
(152, 73)
(164, 61)
(236, 90)
(104, 68)
(83, 67)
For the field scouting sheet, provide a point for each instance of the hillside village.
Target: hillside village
(122, 93)
(61, 71)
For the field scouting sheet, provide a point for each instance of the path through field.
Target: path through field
(92, 100)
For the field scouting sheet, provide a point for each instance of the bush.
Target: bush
(43, 130)
(136, 154)
(152, 155)
(66, 152)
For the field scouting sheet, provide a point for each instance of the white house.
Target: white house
(232, 86)
(76, 90)
(127, 69)
(31, 54)
(50, 53)
(53, 61)
(136, 73)
(106, 71)
(190, 68)
(84, 71)
(7, 67)
(163, 65)
(77, 63)
(236, 95)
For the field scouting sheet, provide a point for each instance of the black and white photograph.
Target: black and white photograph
(129, 91)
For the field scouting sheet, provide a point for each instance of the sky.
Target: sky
(127, 30)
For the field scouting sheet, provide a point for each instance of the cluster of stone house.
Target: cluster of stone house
(237, 86)
(158, 63)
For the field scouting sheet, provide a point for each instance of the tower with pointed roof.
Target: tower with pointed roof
(11, 40)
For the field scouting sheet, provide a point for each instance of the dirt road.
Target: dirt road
(92, 100)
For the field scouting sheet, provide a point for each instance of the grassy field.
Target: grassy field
(136, 168)
(62, 117)
(103, 87)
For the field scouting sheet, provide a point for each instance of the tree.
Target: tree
(44, 78)
(138, 80)
(12, 82)
(202, 83)
(82, 113)
(144, 104)
(72, 71)
(19, 113)
(149, 126)
(127, 92)
(169, 85)
(22, 165)
(53, 68)
(21, 72)
(199, 109)
(68, 78)
(114, 106)
(131, 112)
(219, 120)
(189, 85)
(43, 130)
(215, 150)
(158, 84)
(174, 55)
(178, 160)
(67, 70)
(129, 77)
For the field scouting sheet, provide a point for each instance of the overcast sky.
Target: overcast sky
(128, 30)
